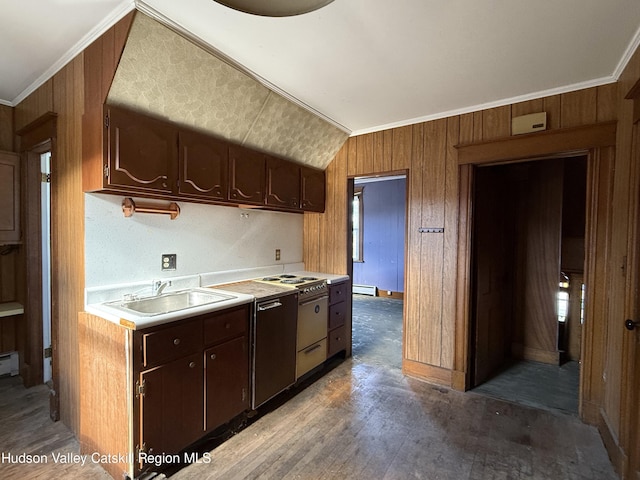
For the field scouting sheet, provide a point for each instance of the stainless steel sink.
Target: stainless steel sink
(170, 302)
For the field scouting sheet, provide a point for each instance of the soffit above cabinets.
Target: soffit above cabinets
(163, 74)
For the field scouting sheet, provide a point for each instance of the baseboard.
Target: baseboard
(458, 380)
(618, 458)
(534, 354)
(391, 294)
(590, 413)
(374, 291)
(428, 373)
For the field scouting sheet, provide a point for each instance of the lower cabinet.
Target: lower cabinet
(148, 394)
(171, 406)
(227, 381)
(338, 325)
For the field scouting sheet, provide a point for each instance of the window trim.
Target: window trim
(358, 236)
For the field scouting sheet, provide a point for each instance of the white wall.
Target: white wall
(206, 238)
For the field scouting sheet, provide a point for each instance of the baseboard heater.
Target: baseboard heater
(366, 290)
(9, 364)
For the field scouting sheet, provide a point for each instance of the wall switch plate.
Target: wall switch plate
(169, 261)
(277, 254)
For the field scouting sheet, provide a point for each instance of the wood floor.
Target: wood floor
(361, 420)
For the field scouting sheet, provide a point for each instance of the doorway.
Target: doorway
(378, 219)
(528, 291)
(45, 231)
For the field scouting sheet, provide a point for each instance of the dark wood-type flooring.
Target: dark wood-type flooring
(361, 420)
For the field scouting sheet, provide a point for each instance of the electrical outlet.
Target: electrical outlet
(277, 254)
(169, 261)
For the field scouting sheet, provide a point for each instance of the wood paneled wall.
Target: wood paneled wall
(64, 94)
(6, 128)
(538, 262)
(9, 263)
(618, 390)
(427, 152)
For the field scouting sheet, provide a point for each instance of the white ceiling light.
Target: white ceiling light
(275, 8)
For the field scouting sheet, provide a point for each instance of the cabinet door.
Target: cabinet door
(227, 381)
(283, 183)
(142, 152)
(246, 175)
(312, 184)
(203, 166)
(9, 198)
(171, 405)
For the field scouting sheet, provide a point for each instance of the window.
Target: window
(357, 209)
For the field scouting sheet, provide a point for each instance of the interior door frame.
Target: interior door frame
(633, 374)
(36, 138)
(350, 192)
(597, 142)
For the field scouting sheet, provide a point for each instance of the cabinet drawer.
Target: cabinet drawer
(337, 293)
(337, 341)
(311, 357)
(226, 325)
(337, 313)
(167, 344)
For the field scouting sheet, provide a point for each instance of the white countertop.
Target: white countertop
(97, 298)
(135, 321)
(9, 309)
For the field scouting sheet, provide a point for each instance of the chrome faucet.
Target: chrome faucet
(159, 286)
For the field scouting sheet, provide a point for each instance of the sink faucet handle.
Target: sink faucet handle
(159, 286)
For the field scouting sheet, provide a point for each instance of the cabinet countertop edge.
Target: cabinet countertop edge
(133, 322)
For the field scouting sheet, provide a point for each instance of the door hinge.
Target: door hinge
(106, 120)
(139, 450)
(106, 171)
(141, 388)
(244, 394)
(45, 177)
(48, 352)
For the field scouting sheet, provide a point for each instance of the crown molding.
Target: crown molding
(118, 13)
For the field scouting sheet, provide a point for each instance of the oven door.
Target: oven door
(312, 321)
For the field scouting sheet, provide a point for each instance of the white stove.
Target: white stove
(313, 300)
(307, 286)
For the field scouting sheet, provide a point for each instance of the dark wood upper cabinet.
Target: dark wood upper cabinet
(203, 166)
(9, 198)
(246, 175)
(136, 154)
(313, 189)
(283, 183)
(141, 152)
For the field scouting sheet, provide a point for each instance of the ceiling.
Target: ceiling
(364, 65)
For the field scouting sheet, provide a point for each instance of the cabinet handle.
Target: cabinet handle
(213, 356)
(192, 365)
(227, 326)
(315, 347)
(176, 341)
(269, 306)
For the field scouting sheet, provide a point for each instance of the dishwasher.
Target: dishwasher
(274, 333)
